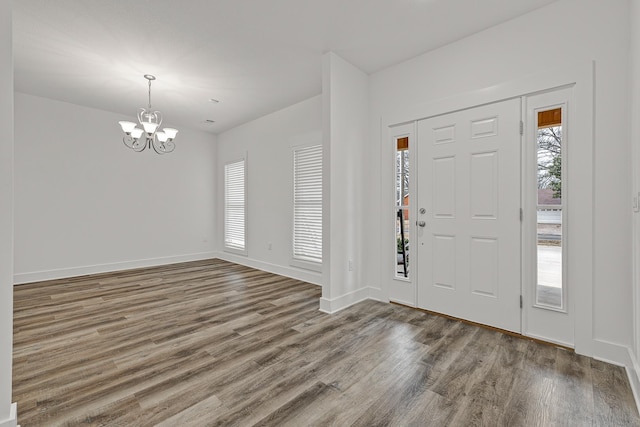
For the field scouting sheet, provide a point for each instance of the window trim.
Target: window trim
(234, 249)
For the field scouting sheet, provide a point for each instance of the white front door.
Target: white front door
(468, 202)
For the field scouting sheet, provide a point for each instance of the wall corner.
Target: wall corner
(12, 421)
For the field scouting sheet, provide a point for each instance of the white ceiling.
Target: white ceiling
(255, 56)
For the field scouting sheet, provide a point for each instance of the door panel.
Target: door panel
(468, 182)
(444, 178)
(484, 267)
(484, 185)
(444, 261)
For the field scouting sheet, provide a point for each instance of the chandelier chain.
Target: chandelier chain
(149, 95)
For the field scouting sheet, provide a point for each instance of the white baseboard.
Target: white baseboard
(377, 295)
(633, 372)
(312, 277)
(612, 353)
(334, 305)
(38, 276)
(620, 355)
(12, 421)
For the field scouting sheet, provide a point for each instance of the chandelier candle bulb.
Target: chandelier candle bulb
(171, 133)
(136, 133)
(162, 137)
(160, 141)
(149, 127)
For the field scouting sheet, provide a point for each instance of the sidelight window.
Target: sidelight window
(550, 215)
(402, 206)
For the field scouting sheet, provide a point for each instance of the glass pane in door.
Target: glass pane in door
(549, 289)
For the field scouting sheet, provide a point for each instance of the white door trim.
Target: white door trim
(581, 260)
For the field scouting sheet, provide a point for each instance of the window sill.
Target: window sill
(306, 265)
(235, 251)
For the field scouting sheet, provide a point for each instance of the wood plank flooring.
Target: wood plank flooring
(211, 343)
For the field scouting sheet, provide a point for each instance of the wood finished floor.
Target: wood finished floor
(212, 343)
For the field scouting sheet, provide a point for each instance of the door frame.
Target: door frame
(580, 207)
(555, 325)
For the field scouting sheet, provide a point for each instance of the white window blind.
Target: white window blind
(234, 205)
(307, 204)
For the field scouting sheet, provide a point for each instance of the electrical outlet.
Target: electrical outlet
(269, 246)
(350, 265)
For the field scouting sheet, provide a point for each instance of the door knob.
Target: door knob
(421, 223)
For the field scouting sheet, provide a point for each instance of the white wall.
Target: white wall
(561, 34)
(345, 98)
(268, 143)
(85, 203)
(634, 115)
(7, 412)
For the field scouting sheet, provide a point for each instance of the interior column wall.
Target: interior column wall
(345, 110)
(7, 418)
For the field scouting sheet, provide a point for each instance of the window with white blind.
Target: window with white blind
(234, 206)
(307, 207)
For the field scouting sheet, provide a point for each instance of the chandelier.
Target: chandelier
(160, 141)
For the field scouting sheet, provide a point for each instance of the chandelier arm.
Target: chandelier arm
(133, 143)
(139, 148)
(128, 141)
(158, 147)
(169, 146)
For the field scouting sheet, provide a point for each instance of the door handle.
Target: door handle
(421, 223)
